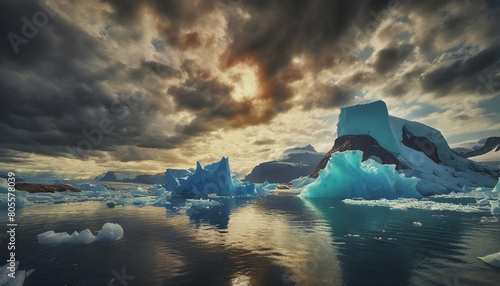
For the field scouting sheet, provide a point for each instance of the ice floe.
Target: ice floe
(108, 232)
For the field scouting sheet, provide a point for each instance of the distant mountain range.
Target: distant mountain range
(485, 151)
(296, 162)
(130, 177)
(478, 148)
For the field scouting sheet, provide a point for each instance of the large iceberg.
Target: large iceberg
(215, 178)
(346, 176)
(421, 149)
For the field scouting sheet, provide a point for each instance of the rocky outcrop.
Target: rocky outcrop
(296, 162)
(40, 188)
(365, 143)
(491, 143)
(421, 144)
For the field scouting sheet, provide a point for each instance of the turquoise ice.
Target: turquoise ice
(345, 176)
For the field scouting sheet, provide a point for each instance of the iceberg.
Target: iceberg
(492, 259)
(346, 176)
(20, 196)
(108, 232)
(418, 150)
(215, 179)
(139, 192)
(20, 275)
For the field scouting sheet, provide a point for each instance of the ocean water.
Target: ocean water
(273, 240)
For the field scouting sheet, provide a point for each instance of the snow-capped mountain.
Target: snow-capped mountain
(484, 150)
(416, 149)
(475, 149)
(130, 177)
(296, 162)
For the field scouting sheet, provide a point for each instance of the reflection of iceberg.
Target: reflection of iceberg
(346, 176)
(212, 179)
(372, 240)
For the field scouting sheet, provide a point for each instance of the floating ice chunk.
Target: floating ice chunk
(492, 259)
(417, 223)
(12, 267)
(109, 231)
(91, 187)
(301, 182)
(20, 200)
(158, 190)
(405, 204)
(139, 192)
(141, 201)
(264, 187)
(110, 204)
(161, 202)
(497, 187)
(201, 203)
(84, 237)
(483, 202)
(495, 208)
(489, 219)
(345, 176)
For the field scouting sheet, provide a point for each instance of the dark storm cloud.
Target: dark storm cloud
(54, 88)
(211, 102)
(389, 58)
(51, 92)
(331, 96)
(176, 14)
(464, 74)
(264, 142)
(160, 69)
(397, 89)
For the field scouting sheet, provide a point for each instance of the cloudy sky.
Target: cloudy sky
(161, 84)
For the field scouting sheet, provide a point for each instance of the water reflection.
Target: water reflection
(285, 232)
(217, 216)
(379, 246)
(263, 241)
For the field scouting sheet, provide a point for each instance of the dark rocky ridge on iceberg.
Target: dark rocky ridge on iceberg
(365, 143)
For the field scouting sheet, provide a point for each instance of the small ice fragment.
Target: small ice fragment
(483, 202)
(417, 223)
(201, 203)
(110, 204)
(110, 231)
(489, 219)
(492, 259)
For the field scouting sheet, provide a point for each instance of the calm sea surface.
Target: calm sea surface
(273, 240)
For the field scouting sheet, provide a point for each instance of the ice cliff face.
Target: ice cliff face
(420, 151)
